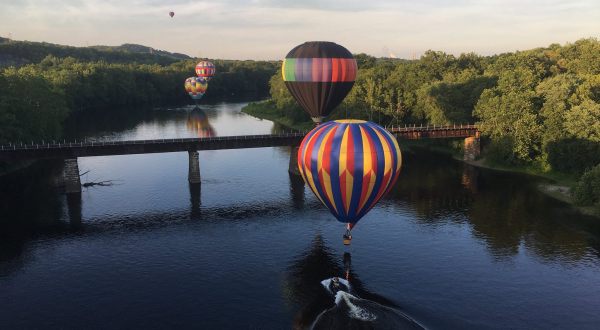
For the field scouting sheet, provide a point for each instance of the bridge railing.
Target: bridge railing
(414, 127)
(88, 143)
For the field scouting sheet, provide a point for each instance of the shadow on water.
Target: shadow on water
(504, 210)
(303, 290)
(33, 208)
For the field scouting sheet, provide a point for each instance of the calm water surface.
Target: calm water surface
(453, 246)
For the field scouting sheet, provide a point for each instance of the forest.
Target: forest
(37, 97)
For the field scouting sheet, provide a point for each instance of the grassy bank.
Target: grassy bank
(268, 110)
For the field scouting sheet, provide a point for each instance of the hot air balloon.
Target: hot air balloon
(319, 75)
(349, 165)
(195, 87)
(171, 13)
(205, 70)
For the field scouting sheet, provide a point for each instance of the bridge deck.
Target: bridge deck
(105, 148)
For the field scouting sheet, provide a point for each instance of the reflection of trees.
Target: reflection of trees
(303, 289)
(432, 186)
(509, 211)
(29, 205)
(97, 122)
(198, 123)
(505, 210)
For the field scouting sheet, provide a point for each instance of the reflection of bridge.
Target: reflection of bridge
(70, 151)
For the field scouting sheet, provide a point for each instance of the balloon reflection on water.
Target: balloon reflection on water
(198, 123)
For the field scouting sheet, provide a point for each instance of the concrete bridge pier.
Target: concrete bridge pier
(472, 148)
(293, 167)
(195, 200)
(194, 169)
(74, 209)
(70, 176)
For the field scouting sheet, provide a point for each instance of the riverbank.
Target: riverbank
(267, 110)
(559, 186)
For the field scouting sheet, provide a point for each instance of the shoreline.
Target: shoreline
(264, 110)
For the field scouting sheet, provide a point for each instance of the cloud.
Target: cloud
(267, 29)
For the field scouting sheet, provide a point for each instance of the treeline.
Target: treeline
(17, 53)
(36, 99)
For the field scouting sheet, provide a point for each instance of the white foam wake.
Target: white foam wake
(354, 311)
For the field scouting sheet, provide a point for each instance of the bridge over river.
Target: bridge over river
(70, 151)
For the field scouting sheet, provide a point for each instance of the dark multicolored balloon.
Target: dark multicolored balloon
(319, 75)
(205, 70)
(195, 87)
(349, 165)
(171, 13)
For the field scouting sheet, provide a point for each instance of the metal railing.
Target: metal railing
(87, 143)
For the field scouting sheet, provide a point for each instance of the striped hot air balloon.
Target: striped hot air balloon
(319, 75)
(195, 87)
(205, 70)
(349, 165)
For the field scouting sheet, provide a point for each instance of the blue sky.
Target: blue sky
(268, 29)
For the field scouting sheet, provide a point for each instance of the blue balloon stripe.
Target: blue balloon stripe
(335, 171)
(358, 173)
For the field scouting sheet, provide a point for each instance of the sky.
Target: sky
(268, 29)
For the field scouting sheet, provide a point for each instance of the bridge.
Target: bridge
(70, 151)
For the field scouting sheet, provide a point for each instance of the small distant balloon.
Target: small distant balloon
(195, 87)
(171, 13)
(205, 70)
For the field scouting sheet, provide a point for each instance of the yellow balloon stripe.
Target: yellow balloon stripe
(367, 167)
(326, 182)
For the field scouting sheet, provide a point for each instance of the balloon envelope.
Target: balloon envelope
(195, 87)
(349, 165)
(171, 13)
(205, 70)
(319, 75)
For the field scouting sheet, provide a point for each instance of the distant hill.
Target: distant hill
(18, 53)
(141, 49)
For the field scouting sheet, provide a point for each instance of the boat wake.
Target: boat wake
(352, 312)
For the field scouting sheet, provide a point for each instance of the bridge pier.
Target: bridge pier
(194, 169)
(74, 209)
(195, 201)
(70, 176)
(472, 148)
(293, 167)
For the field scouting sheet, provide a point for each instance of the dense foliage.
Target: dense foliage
(35, 99)
(587, 190)
(537, 108)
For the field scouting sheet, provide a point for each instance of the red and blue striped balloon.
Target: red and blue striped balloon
(349, 165)
(205, 70)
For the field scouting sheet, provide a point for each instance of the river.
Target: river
(452, 246)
